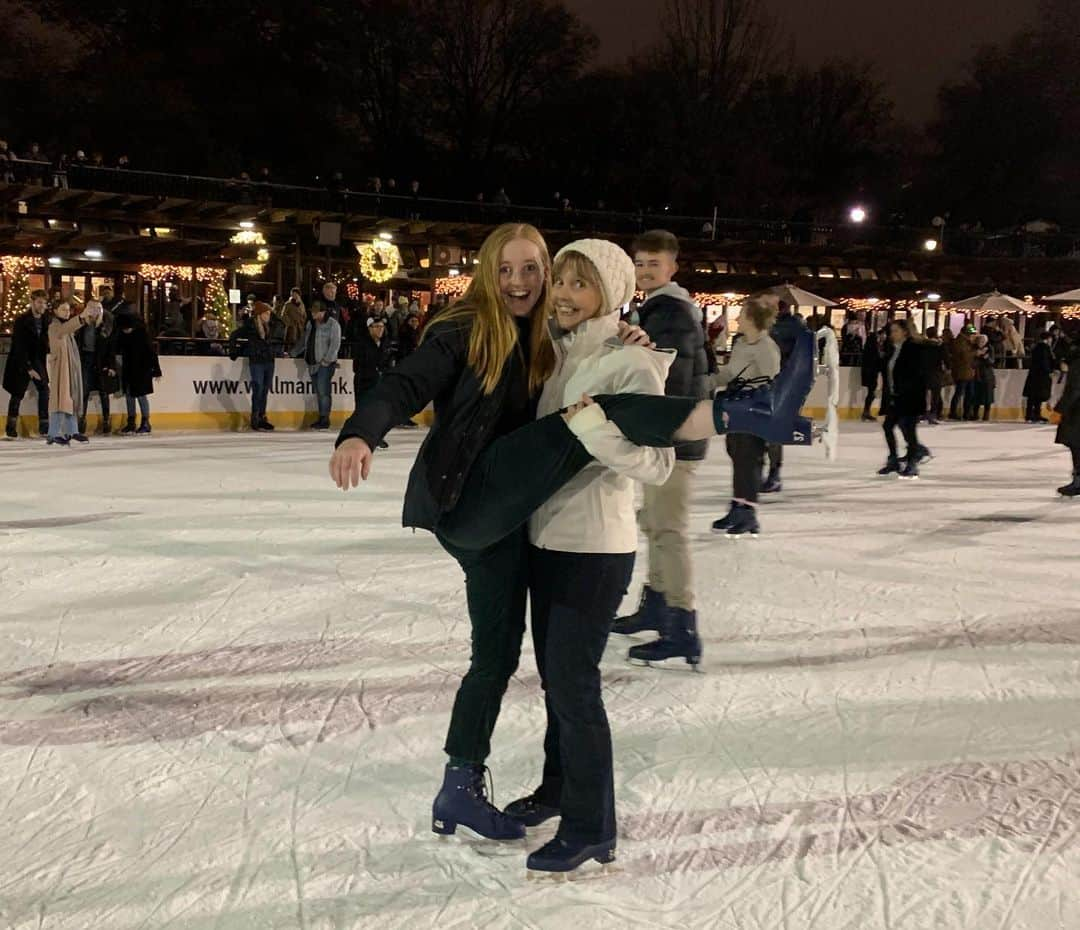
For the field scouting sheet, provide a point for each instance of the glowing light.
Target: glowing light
(247, 224)
(857, 214)
(930, 245)
(379, 261)
(92, 253)
(934, 297)
(453, 286)
(54, 259)
(386, 237)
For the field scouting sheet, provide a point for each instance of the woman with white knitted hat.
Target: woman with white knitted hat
(582, 546)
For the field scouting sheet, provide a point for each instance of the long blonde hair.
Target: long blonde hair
(494, 335)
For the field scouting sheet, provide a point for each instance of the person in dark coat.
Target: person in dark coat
(26, 364)
(785, 333)
(934, 357)
(1037, 385)
(1068, 431)
(409, 336)
(259, 340)
(985, 379)
(373, 355)
(95, 342)
(904, 399)
(871, 371)
(139, 367)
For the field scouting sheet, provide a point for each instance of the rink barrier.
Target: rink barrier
(200, 393)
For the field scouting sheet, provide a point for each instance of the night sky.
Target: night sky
(915, 44)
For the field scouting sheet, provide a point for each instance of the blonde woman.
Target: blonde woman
(65, 377)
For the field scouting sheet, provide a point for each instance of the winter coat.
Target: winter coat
(246, 341)
(466, 419)
(1037, 385)
(102, 356)
(407, 341)
(294, 317)
(1014, 342)
(65, 367)
(140, 362)
(934, 360)
(905, 384)
(327, 343)
(594, 512)
(673, 322)
(371, 359)
(962, 358)
(1068, 431)
(870, 368)
(29, 350)
(749, 360)
(785, 333)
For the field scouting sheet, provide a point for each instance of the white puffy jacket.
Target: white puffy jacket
(594, 512)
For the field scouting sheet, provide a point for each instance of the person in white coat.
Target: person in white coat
(582, 547)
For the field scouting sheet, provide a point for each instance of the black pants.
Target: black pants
(574, 598)
(1034, 410)
(962, 403)
(91, 384)
(747, 453)
(907, 427)
(496, 584)
(1075, 450)
(937, 404)
(776, 457)
(871, 393)
(42, 389)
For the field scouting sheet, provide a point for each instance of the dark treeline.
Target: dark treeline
(474, 95)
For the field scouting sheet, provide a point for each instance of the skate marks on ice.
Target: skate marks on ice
(57, 522)
(1031, 806)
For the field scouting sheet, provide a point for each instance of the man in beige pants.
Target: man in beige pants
(673, 322)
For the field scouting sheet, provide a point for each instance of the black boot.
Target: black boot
(772, 483)
(650, 615)
(82, 425)
(892, 466)
(129, 427)
(744, 522)
(144, 428)
(679, 640)
(1073, 488)
(462, 801)
(43, 426)
(533, 810)
(721, 525)
(910, 471)
(106, 425)
(12, 431)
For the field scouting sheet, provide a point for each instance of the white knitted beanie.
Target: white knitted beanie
(616, 269)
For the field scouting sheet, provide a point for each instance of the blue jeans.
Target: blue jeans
(262, 376)
(144, 407)
(320, 379)
(574, 598)
(62, 424)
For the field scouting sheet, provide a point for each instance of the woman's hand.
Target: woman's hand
(351, 463)
(631, 335)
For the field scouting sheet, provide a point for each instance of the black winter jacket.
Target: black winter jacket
(467, 421)
(785, 333)
(905, 390)
(673, 323)
(28, 350)
(1068, 431)
(1037, 384)
(370, 361)
(140, 362)
(871, 362)
(247, 342)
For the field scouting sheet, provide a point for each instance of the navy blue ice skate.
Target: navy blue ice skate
(679, 640)
(531, 811)
(651, 615)
(462, 801)
(559, 855)
(744, 522)
(771, 409)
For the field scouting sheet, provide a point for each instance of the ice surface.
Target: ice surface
(224, 688)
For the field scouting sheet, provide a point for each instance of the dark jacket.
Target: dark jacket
(785, 333)
(1068, 431)
(962, 358)
(673, 322)
(246, 341)
(934, 360)
(871, 362)
(103, 354)
(371, 360)
(28, 350)
(1037, 385)
(905, 388)
(407, 341)
(466, 419)
(140, 361)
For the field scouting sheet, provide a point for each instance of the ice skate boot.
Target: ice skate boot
(892, 467)
(43, 426)
(462, 801)
(1072, 489)
(12, 429)
(910, 471)
(650, 615)
(561, 856)
(144, 428)
(744, 522)
(721, 525)
(266, 425)
(129, 427)
(772, 483)
(923, 455)
(679, 641)
(531, 811)
(81, 437)
(869, 418)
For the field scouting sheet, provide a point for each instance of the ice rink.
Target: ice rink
(224, 687)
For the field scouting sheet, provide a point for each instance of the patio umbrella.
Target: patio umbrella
(797, 297)
(995, 302)
(1065, 297)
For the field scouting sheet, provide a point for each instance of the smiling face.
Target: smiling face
(521, 276)
(63, 311)
(654, 269)
(576, 293)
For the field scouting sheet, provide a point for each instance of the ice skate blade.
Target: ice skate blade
(695, 666)
(587, 871)
(736, 536)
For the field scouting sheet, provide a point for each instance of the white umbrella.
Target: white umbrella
(797, 297)
(995, 302)
(1065, 297)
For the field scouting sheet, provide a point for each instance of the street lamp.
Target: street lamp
(930, 245)
(857, 214)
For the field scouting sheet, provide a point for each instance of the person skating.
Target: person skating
(138, 370)
(65, 377)
(904, 400)
(786, 331)
(26, 364)
(373, 355)
(754, 357)
(95, 341)
(1068, 431)
(581, 556)
(254, 339)
(1037, 385)
(673, 322)
(870, 371)
(985, 379)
